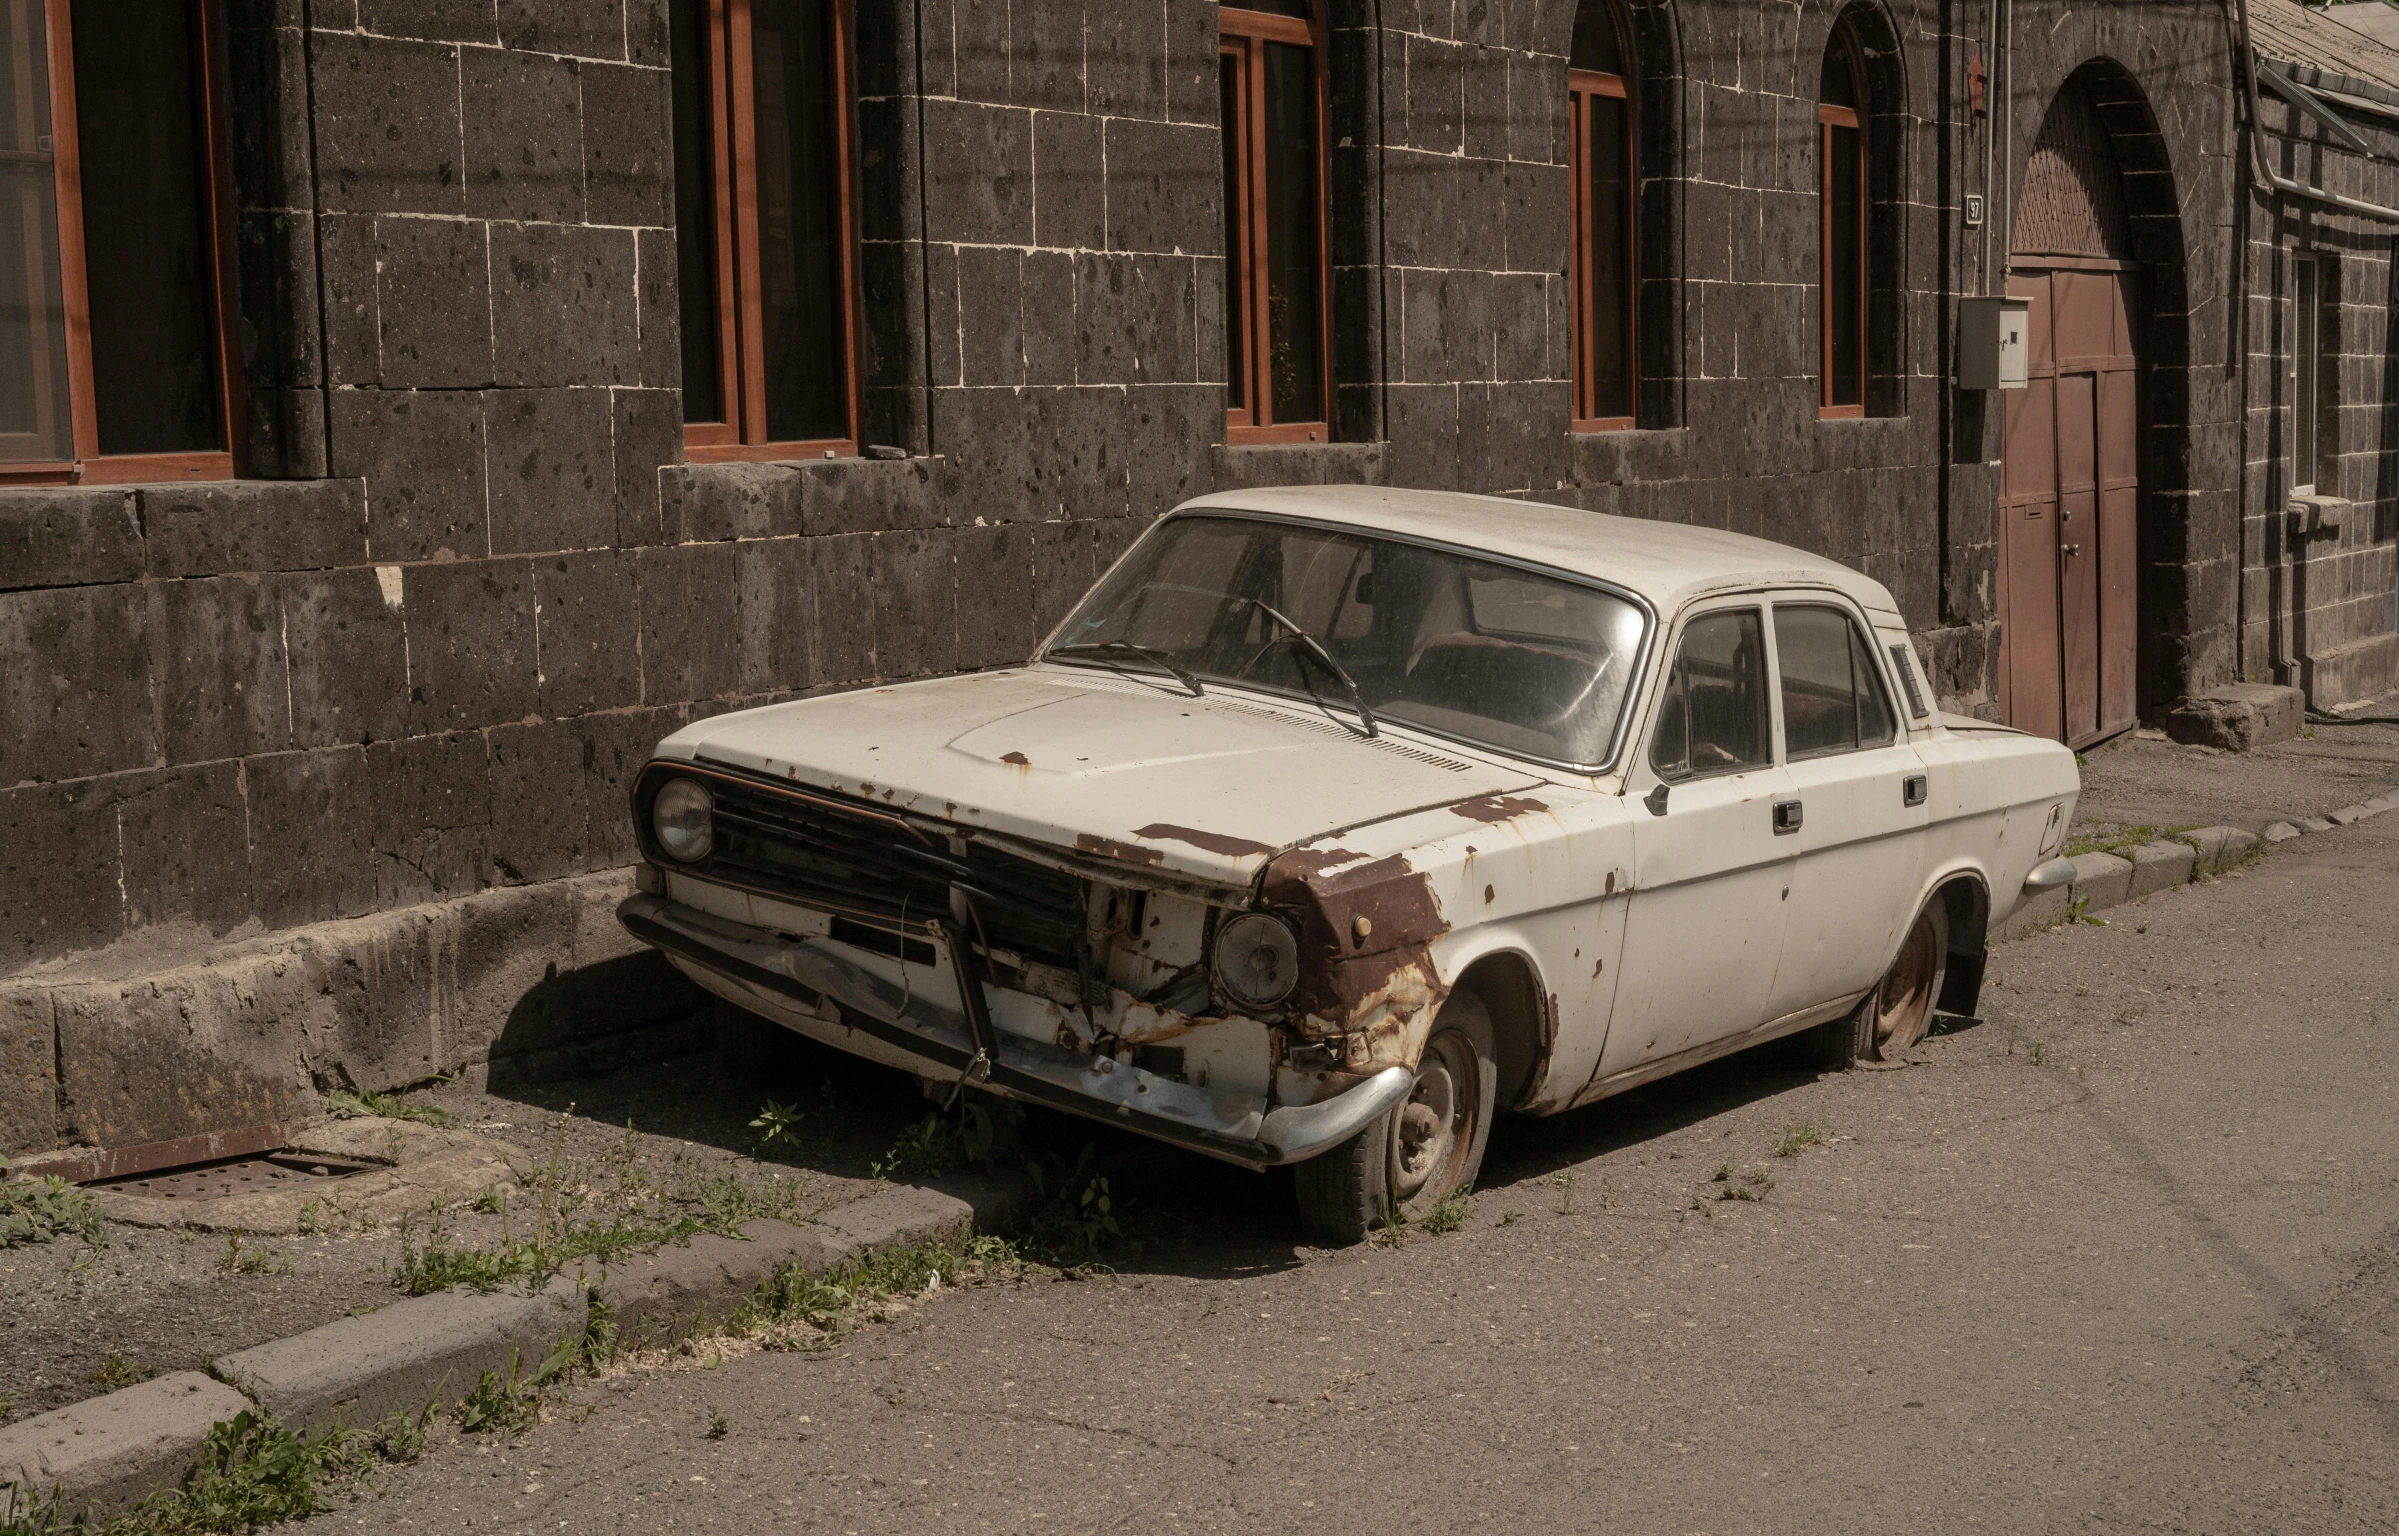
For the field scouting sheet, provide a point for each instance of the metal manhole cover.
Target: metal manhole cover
(270, 1172)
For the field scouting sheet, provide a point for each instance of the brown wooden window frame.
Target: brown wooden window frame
(1242, 36)
(1581, 86)
(1828, 118)
(90, 466)
(741, 325)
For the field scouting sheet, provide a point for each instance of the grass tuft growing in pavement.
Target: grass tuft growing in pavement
(830, 1305)
(581, 1212)
(1797, 1140)
(252, 1472)
(37, 1210)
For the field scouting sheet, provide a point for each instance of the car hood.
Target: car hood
(1114, 768)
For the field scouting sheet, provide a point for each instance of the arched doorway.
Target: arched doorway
(2070, 483)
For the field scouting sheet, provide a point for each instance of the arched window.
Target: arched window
(1600, 161)
(1270, 80)
(1841, 188)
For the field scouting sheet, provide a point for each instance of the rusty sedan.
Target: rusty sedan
(1334, 820)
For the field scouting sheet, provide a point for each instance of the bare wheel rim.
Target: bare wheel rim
(1432, 1132)
(1903, 1004)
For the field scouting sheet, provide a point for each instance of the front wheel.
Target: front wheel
(1895, 1015)
(1420, 1150)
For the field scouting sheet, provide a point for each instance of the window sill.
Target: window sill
(123, 469)
(705, 500)
(2311, 514)
(1247, 466)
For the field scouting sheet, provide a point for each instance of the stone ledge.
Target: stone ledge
(745, 499)
(2238, 716)
(108, 1452)
(1253, 466)
(68, 536)
(514, 980)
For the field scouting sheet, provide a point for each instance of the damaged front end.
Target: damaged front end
(1231, 1019)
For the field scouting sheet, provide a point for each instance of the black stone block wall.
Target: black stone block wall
(469, 580)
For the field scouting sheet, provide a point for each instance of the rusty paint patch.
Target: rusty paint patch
(1108, 848)
(1611, 883)
(1016, 758)
(1214, 842)
(1496, 808)
(1389, 978)
(1488, 895)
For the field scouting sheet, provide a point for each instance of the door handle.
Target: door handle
(2071, 549)
(1787, 816)
(1911, 789)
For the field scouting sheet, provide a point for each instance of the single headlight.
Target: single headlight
(1257, 960)
(684, 817)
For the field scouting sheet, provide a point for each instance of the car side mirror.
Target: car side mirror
(1656, 801)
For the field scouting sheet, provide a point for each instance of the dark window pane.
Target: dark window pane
(799, 220)
(1838, 86)
(1721, 703)
(1597, 44)
(1610, 191)
(33, 320)
(1820, 706)
(148, 258)
(1299, 9)
(1844, 272)
(1236, 232)
(1294, 275)
(695, 215)
(1877, 721)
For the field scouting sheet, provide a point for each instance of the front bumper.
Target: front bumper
(807, 972)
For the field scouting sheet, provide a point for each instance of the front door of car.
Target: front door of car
(1705, 923)
(1862, 813)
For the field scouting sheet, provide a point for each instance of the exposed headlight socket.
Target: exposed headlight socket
(683, 818)
(1257, 960)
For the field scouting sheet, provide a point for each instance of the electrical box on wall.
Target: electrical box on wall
(1992, 344)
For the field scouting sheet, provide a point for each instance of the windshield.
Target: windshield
(1508, 658)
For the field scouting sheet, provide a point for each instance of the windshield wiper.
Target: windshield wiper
(1316, 648)
(1182, 673)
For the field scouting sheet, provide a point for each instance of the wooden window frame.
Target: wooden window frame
(1829, 117)
(1581, 86)
(740, 317)
(1242, 35)
(89, 466)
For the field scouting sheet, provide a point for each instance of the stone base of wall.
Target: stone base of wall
(2353, 673)
(516, 983)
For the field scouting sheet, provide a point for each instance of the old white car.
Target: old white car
(1334, 820)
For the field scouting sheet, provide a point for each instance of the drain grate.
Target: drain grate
(257, 1175)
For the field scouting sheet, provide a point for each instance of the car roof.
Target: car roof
(1667, 563)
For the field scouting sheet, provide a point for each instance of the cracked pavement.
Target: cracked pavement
(2122, 1258)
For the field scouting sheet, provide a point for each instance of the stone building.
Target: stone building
(413, 409)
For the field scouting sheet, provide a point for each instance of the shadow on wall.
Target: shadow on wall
(644, 1010)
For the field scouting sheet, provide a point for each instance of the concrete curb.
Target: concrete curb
(106, 1453)
(2103, 880)
(113, 1450)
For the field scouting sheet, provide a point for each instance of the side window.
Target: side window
(1713, 716)
(1833, 701)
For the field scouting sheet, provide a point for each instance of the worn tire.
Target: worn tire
(1349, 1191)
(1896, 1014)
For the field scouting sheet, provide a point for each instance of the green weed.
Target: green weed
(717, 1427)
(249, 1258)
(1448, 1213)
(252, 1472)
(1797, 1140)
(1738, 1185)
(116, 1372)
(2040, 1053)
(37, 1210)
(832, 1303)
(509, 1404)
(778, 1128)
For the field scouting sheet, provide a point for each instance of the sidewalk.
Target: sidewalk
(2143, 780)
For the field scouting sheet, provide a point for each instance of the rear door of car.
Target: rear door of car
(1862, 814)
(1705, 923)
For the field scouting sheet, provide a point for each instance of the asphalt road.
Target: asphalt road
(2123, 1257)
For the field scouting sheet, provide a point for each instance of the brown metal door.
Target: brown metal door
(2069, 495)
(2029, 671)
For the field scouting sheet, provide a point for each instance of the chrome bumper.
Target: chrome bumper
(2049, 876)
(1100, 1087)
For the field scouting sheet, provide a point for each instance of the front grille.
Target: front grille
(847, 857)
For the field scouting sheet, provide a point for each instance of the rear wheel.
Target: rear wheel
(1427, 1146)
(1895, 1015)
